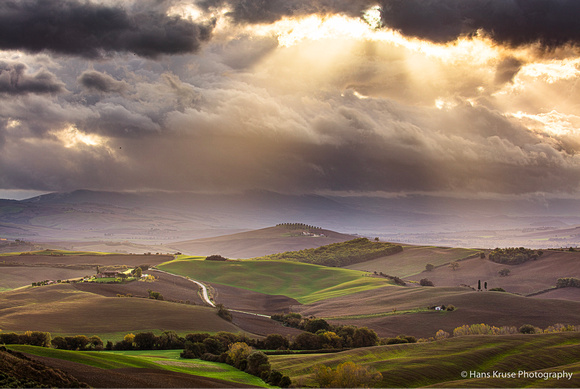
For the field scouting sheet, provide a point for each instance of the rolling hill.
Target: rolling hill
(526, 278)
(441, 363)
(62, 309)
(303, 282)
(412, 260)
(261, 242)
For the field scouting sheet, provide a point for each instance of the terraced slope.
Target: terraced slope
(141, 369)
(442, 362)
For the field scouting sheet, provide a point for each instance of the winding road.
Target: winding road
(205, 295)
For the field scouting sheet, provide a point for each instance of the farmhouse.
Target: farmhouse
(108, 274)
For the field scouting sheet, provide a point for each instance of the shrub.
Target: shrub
(497, 290)
(315, 325)
(450, 308)
(215, 257)
(258, 364)
(276, 342)
(238, 354)
(569, 282)
(527, 329)
(442, 335)
(504, 272)
(223, 312)
(346, 375)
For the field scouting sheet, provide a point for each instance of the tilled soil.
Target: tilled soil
(250, 301)
(262, 326)
(134, 377)
(173, 288)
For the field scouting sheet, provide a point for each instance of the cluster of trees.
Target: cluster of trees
(569, 282)
(485, 329)
(297, 226)
(346, 375)
(215, 257)
(33, 338)
(321, 335)
(154, 295)
(243, 357)
(78, 342)
(396, 279)
(45, 282)
(514, 255)
(339, 254)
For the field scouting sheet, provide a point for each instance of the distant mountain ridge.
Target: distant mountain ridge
(167, 217)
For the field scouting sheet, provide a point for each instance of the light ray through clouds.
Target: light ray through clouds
(296, 96)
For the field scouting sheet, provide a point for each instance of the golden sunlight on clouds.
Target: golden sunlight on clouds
(293, 31)
(553, 122)
(13, 123)
(72, 137)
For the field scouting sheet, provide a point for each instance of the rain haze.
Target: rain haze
(394, 105)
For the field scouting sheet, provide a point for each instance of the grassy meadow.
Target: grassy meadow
(441, 362)
(304, 282)
(149, 359)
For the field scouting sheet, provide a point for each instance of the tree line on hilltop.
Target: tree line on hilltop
(339, 254)
(514, 255)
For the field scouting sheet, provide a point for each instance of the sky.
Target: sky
(446, 97)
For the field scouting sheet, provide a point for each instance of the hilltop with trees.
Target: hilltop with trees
(339, 254)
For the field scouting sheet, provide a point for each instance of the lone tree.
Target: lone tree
(504, 272)
(429, 267)
(478, 284)
(454, 265)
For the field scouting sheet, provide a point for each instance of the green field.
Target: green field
(412, 260)
(152, 359)
(424, 364)
(303, 282)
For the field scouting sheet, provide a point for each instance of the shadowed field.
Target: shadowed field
(527, 278)
(424, 364)
(12, 277)
(62, 309)
(412, 260)
(375, 310)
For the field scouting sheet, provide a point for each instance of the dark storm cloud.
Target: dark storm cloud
(552, 23)
(269, 11)
(91, 30)
(100, 82)
(15, 80)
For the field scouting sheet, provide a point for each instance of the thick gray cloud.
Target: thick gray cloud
(320, 115)
(552, 23)
(15, 80)
(101, 82)
(92, 30)
(268, 11)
